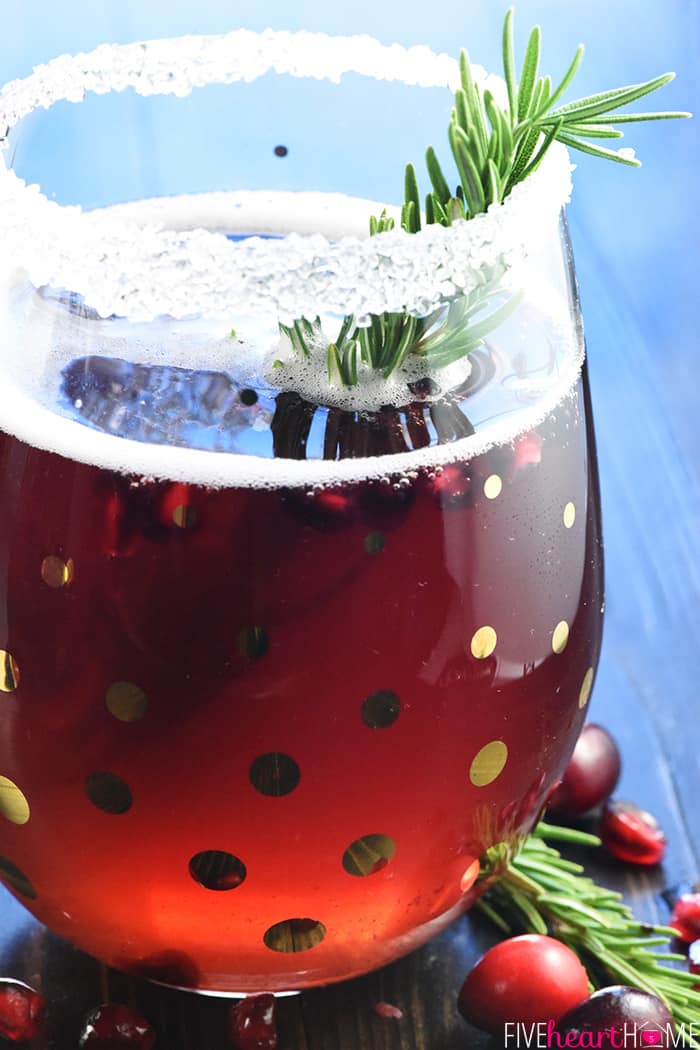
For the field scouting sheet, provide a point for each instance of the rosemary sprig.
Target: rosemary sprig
(541, 892)
(493, 148)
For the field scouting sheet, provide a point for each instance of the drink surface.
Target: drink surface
(256, 736)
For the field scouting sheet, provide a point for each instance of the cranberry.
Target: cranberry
(631, 834)
(452, 487)
(591, 775)
(685, 918)
(21, 1011)
(252, 1024)
(114, 1026)
(613, 1015)
(531, 979)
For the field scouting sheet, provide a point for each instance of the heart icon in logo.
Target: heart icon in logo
(651, 1038)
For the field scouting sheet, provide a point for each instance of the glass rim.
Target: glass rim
(142, 270)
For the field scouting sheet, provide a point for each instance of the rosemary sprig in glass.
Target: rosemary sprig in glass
(493, 149)
(541, 892)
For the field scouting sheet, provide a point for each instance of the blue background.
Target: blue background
(636, 237)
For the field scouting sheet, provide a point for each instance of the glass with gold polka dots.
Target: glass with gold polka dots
(290, 654)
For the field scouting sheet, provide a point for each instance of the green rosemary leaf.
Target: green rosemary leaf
(567, 79)
(468, 173)
(509, 62)
(598, 151)
(572, 909)
(494, 184)
(594, 105)
(537, 97)
(549, 137)
(474, 107)
(456, 209)
(635, 118)
(555, 833)
(437, 178)
(498, 921)
(412, 194)
(528, 75)
(523, 157)
(594, 131)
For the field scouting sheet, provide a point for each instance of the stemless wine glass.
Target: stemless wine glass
(284, 654)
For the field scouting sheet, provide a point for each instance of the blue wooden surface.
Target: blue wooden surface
(636, 237)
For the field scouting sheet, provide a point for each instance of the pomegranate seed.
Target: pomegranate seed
(114, 1026)
(631, 834)
(528, 450)
(452, 487)
(21, 1011)
(591, 775)
(686, 917)
(252, 1023)
(388, 1012)
(694, 960)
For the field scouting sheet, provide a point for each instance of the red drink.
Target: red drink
(258, 738)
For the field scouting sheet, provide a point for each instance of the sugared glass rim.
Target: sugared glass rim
(144, 270)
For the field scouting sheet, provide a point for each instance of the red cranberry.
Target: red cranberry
(252, 1023)
(21, 1011)
(631, 834)
(591, 775)
(530, 979)
(685, 918)
(613, 1016)
(114, 1026)
(453, 486)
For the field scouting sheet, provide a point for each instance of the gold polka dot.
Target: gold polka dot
(15, 878)
(109, 793)
(488, 764)
(274, 774)
(185, 516)
(560, 637)
(470, 876)
(586, 686)
(9, 672)
(13, 804)
(483, 643)
(493, 487)
(217, 870)
(294, 935)
(381, 709)
(368, 855)
(126, 701)
(55, 572)
(569, 515)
